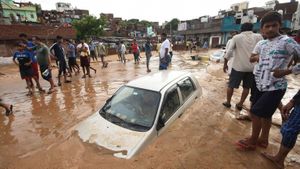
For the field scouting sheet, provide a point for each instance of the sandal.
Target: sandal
(239, 107)
(244, 146)
(228, 105)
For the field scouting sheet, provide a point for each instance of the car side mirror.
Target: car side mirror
(160, 123)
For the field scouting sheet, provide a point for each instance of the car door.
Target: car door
(188, 92)
(170, 109)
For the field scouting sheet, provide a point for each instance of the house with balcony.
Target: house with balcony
(13, 12)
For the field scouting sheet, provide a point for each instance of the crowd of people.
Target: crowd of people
(34, 59)
(262, 61)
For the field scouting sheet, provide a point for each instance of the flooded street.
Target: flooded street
(41, 133)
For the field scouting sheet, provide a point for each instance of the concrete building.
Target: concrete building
(296, 20)
(12, 12)
(239, 7)
(61, 6)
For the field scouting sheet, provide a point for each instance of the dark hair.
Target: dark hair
(271, 17)
(59, 37)
(164, 34)
(246, 27)
(21, 35)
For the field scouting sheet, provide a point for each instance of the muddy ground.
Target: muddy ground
(40, 133)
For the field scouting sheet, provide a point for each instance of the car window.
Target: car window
(186, 87)
(171, 104)
(132, 108)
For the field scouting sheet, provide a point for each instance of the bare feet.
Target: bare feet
(279, 165)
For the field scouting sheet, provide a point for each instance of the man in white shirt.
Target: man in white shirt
(123, 52)
(164, 57)
(240, 49)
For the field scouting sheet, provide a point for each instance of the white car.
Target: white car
(218, 56)
(140, 111)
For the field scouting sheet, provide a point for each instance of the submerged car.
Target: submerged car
(218, 56)
(140, 111)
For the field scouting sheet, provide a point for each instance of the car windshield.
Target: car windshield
(132, 108)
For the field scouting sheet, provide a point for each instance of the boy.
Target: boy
(24, 62)
(43, 59)
(275, 52)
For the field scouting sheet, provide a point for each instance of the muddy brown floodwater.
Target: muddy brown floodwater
(41, 134)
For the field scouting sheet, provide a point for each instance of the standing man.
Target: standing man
(123, 52)
(30, 47)
(43, 59)
(240, 49)
(83, 51)
(272, 54)
(58, 52)
(148, 51)
(71, 54)
(164, 57)
(92, 47)
(102, 53)
(135, 51)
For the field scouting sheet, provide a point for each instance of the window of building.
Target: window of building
(32, 16)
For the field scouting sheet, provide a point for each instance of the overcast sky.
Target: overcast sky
(152, 10)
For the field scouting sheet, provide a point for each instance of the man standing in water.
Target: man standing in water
(43, 59)
(240, 49)
(59, 53)
(148, 51)
(30, 47)
(164, 57)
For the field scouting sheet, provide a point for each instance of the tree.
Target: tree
(89, 26)
(173, 24)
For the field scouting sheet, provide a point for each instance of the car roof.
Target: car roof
(157, 81)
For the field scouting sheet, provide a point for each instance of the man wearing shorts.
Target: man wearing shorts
(22, 58)
(30, 47)
(273, 53)
(43, 59)
(58, 52)
(240, 49)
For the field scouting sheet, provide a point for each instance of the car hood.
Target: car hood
(98, 130)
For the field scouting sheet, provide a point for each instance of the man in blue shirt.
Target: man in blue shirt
(22, 58)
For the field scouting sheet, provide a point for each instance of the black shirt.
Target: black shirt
(58, 52)
(296, 98)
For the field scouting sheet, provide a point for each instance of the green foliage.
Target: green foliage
(89, 26)
(173, 23)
